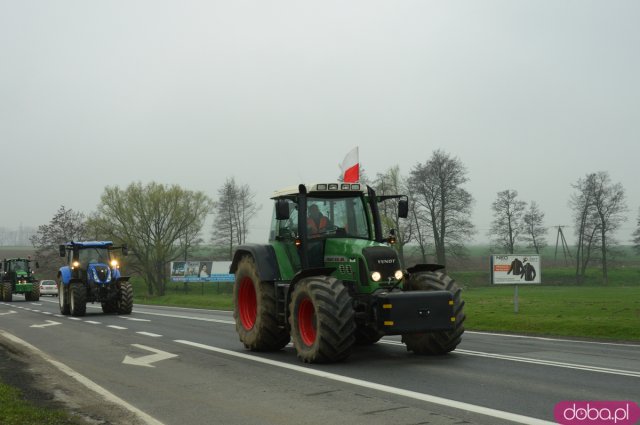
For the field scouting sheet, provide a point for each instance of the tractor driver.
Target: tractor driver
(316, 222)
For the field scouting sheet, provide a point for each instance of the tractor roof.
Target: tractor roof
(324, 188)
(90, 244)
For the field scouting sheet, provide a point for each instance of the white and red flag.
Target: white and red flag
(351, 167)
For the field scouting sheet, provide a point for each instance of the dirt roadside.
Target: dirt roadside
(47, 387)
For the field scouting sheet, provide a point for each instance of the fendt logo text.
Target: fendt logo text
(596, 412)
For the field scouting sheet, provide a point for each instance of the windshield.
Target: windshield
(20, 266)
(93, 255)
(337, 217)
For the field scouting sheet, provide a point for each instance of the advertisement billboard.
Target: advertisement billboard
(510, 269)
(201, 271)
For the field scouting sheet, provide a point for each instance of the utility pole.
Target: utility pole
(565, 247)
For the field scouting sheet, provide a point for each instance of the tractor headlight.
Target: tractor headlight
(114, 263)
(376, 276)
(398, 274)
(75, 264)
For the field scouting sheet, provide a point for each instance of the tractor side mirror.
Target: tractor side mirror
(282, 209)
(63, 250)
(403, 208)
(125, 250)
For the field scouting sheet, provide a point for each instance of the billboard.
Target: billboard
(509, 269)
(201, 271)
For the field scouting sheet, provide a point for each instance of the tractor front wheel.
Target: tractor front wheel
(7, 292)
(321, 317)
(77, 299)
(125, 299)
(63, 297)
(34, 295)
(255, 310)
(439, 342)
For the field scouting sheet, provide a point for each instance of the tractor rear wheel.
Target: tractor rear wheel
(77, 299)
(63, 297)
(255, 310)
(125, 299)
(321, 317)
(7, 292)
(438, 342)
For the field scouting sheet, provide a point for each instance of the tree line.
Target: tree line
(162, 223)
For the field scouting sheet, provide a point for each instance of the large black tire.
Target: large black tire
(125, 299)
(7, 292)
(34, 295)
(63, 297)
(109, 307)
(367, 335)
(77, 299)
(322, 322)
(439, 342)
(255, 310)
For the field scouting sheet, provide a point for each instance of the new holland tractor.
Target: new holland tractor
(329, 279)
(93, 275)
(17, 277)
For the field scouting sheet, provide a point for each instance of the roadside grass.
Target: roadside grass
(16, 411)
(611, 313)
(215, 296)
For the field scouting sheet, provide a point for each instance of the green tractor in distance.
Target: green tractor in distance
(17, 277)
(328, 279)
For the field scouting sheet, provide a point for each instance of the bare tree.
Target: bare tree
(234, 209)
(535, 230)
(609, 205)
(507, 225)
(586, 227)
(636, 235)
(151, 219)
(598, 208)
(66, 225)
(392, 183)
(437, 188)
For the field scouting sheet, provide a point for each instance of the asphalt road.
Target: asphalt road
(187, 366)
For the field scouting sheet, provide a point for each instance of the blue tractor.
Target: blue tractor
(92, 274)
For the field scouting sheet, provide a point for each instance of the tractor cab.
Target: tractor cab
(336, 225)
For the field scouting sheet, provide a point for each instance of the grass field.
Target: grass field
(15, 411)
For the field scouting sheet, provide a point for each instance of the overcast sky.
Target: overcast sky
(529, 95)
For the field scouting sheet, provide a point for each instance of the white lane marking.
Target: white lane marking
(58, 315)
(495, 356)
(36, 303)
(514, 417)
(149, 334)
(46, 312)
(542, 338)
(133, 319)
(158, 355)
(74, 318)
(36, 311)
(85, 381)
(8, 312)
(116, 327)
(177, 316)
(92, 322)
(49, 323)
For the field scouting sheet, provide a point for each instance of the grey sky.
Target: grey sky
(530, 95)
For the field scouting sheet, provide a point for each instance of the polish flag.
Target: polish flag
(351, 167)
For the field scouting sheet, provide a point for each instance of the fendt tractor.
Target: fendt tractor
(93, 275)
(17, 277)
(329, 279)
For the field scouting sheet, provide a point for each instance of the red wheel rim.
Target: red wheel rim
(247, 303)
(307, 322)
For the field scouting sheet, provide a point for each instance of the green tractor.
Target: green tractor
(329, 279)
(17, 277)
